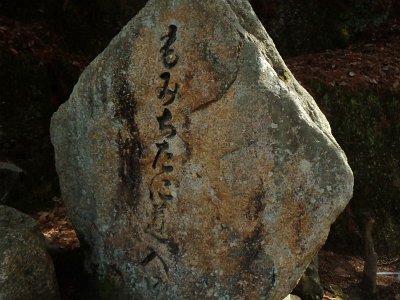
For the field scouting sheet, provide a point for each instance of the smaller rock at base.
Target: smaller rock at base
(292, 297)
(26, 269)
(309, 287)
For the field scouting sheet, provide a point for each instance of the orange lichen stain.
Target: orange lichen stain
(295, 224)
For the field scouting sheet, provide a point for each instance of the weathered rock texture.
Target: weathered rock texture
(26, 269)
(193, 164)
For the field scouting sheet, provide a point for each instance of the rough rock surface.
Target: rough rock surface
(26, 269)
(193, 164)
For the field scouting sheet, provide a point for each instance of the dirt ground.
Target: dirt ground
(363, 65)
(346, 272)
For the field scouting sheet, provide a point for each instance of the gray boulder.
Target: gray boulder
(309, 286)
(26, 269)
(193, 164)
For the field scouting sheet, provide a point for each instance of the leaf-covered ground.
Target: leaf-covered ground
(367, 64)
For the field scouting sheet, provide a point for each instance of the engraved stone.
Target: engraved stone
(193, 164)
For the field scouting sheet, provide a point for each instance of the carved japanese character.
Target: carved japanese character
(165, 91)
(162, 122)
(162, 147)
(169, 58)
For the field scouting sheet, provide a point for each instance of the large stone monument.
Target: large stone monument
(193, 164)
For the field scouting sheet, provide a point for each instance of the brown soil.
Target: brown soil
(34, 41)
(361, 66)
(346, 272)
(57, 228)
